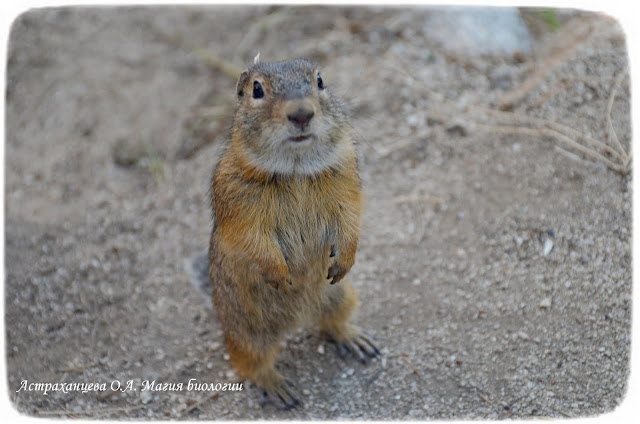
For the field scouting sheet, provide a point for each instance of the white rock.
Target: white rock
(548, 245)
(146, 397)
(477, 31)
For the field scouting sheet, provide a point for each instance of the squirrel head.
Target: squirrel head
(286, 121)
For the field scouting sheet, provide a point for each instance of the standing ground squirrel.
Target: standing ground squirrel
(286, 200)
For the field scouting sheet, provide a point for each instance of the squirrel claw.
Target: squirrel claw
(286, 395)
(279, 285)
(342, 350)
(282, 391)
(361, 346)
(335, 273)
(264, 399)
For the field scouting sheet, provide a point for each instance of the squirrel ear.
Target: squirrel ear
(241, 82)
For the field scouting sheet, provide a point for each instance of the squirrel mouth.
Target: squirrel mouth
(300, 138)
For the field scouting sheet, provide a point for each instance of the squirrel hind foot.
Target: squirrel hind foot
(358, 344)
(282, 390)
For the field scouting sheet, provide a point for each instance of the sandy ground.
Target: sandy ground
(112, 126)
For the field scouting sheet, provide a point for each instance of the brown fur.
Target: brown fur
(271, 245)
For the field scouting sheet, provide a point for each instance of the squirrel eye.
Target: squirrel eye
(258, 93)
(320, 83)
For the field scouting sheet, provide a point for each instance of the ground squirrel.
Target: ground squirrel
(286, 200)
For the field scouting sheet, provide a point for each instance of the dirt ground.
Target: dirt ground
(113, 120)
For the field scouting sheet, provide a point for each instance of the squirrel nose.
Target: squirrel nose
(301, 117)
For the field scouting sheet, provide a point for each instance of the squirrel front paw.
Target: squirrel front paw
(276, 274)
(340, 266)
(336, 273)
(278, 283)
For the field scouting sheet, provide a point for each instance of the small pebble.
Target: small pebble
(522, 335)
(146, 397)
(321, 349)
(548, 245)
(546, 303)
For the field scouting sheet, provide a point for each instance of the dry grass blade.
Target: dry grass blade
(515, 130)
(564, 84)
(413, 368)
(216, 63)
(628, 161)
(199, 403)
(614, 91)
(573, 34)
(206, 56)
(525, 125)
(557, 127)
(484, 398)
(258, 28)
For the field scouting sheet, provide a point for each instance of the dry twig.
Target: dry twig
(572, 35)
(484, 398)
(206, 56)
(614, 91)
(562, 85)
(217, 63)
(259, 27)
(518, 124)
(198, 403)
(515, 130)
(414, 369)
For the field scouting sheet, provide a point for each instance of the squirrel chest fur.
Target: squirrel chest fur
(286, 203)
